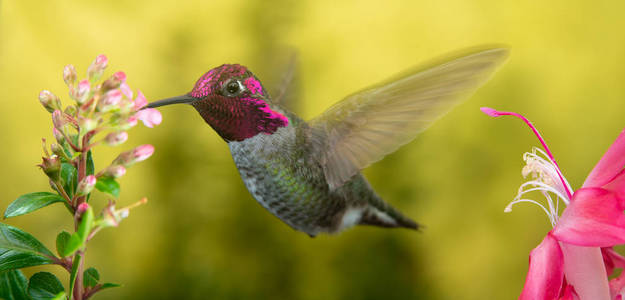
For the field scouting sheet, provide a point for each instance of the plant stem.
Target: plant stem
(78, 285)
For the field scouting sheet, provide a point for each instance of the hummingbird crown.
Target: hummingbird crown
(233, 101)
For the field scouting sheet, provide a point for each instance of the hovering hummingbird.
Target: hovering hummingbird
(307, 173)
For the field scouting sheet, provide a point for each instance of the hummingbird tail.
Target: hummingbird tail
(386, 216)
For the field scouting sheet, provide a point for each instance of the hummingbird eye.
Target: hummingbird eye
(233, 88)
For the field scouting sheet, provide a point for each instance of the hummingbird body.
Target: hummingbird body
(282, 174)
(307, 173)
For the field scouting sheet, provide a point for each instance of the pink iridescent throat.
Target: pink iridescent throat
(236, 119)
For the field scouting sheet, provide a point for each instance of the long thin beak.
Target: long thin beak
(172, 100)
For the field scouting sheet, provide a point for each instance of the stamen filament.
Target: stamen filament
(551, 218)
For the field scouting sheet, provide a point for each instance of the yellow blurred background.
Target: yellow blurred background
(202, 236)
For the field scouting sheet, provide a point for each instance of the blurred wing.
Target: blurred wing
(364, 127)
(285, 88)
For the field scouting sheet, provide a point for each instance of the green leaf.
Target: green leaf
(61, 242)
(31, 202)
(60, 296)
(44, 286)
(109, 285)
(77, 239)
(72, 275)
(68, 176)
(91, 277)
(13, 285)
(19, 249)
(85, 225)
(108, 185)
(90, 165)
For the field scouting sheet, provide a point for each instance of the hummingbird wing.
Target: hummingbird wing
(283, 92)
(364, 127)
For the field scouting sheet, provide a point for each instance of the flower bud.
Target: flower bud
(116, 138)
(127, 124)
(58, 136)
(114, 171)
(85, 186)
(81, 94)
(87, 124)
(82, 208)
(58, 150)
(142, 152)
(70, 110)
(95, 70)
(138, 154)
(69, 75)
(114, 82)
(58, 120)
(49, 101)
(52, 167)
(112, 217)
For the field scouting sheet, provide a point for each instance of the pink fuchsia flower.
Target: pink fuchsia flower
(575, 259)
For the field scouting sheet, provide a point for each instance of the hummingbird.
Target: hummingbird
(307, 172)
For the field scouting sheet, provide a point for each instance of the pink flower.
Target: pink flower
(575, 258)
(150, 117)
(110, 100)
(126, 90)
(140, 101)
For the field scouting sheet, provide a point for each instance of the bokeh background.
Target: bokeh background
(202, 236)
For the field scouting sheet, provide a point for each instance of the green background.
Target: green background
(202, 236)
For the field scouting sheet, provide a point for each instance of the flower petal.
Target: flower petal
(546, 271)
(610, 164)
(140, 101)
(594, 218)
(612, 260)
(569, 293)
(149, 116)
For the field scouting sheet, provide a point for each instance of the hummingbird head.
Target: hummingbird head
(232, 101)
